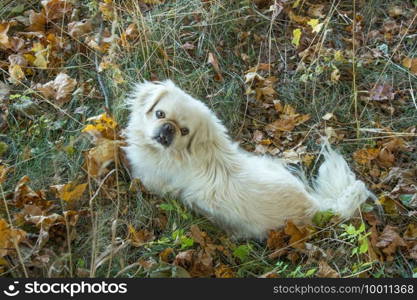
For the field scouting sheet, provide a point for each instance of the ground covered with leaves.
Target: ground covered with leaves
(280, 74)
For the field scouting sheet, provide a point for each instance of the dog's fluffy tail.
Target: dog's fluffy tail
(336, 187)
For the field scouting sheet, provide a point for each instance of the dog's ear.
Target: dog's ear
(211, 137)
(145, 93)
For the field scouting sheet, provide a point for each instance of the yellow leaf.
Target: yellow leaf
(71, 192)
(315, 25)
(40, 56)
(9, 238)
(3, 173)
(296, 33)
(106, 9)
(364, 156)
(4, 39)
(104, 126)
(338, 56)
(296, 3)
(389, 205)
(410, 63)
(16, 73)
(100, 157)
(335, 76)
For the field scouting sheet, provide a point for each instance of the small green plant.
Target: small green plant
(356, 237)
(174, 206)
(242, 252)
(181, 239)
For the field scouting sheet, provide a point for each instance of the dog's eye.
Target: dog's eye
(160, 114)
(185, 131)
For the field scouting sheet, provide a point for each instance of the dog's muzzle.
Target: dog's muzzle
(166, 134)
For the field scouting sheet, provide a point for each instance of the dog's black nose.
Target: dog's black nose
(166, 134)
(167, 129)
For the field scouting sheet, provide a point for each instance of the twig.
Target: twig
(97, 65)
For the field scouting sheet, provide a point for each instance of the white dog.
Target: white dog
(177, 146)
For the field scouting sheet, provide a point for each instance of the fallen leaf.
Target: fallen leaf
(296, 36)
(389, 205)
(140, 237)
(411, 64)
(3, 173)
(9, 238)
(4, 38)
(366, 155)
(60, 89)
(223, 271)
(165, 255)
(41, 54)
(198, 264)
(316, 10)
(389, 241)
(77, 29)
(104, 126)
(382, 92)
(276, 240)
(298, 236)
(56, 9)
(215, 63)
(24, 195)
(70, 192)
(16, 74)
(325, 271)
(315, 24)
(99, 157)
(411, 232)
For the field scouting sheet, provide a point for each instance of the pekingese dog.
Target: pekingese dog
(177, 146)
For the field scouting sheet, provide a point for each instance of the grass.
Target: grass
(56, 147)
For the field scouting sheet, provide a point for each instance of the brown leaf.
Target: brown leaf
(374, 251)
(364, 156)
(140, 237)
(288, 120)
(77, 29)
(166, 254)
(410, 63)
(9, 238)
(325, 271)
(4, 38)
(411, 232)
(59, 89)
(99, 157)
(298, 236)
(223, 271)
(389, 241)
(24, 195)
(37, 21)
(386, 158)
(198, 264)
(316, 11)
(204, 240)
(56, 9)
(276, 240)
(3, 173)
(70, 192)
(198, 235)
(215, 63)
(389, 205)
(382, 92)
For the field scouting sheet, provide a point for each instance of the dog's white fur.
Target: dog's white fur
(245, 194)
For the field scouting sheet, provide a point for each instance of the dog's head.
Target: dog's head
(167, 118)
